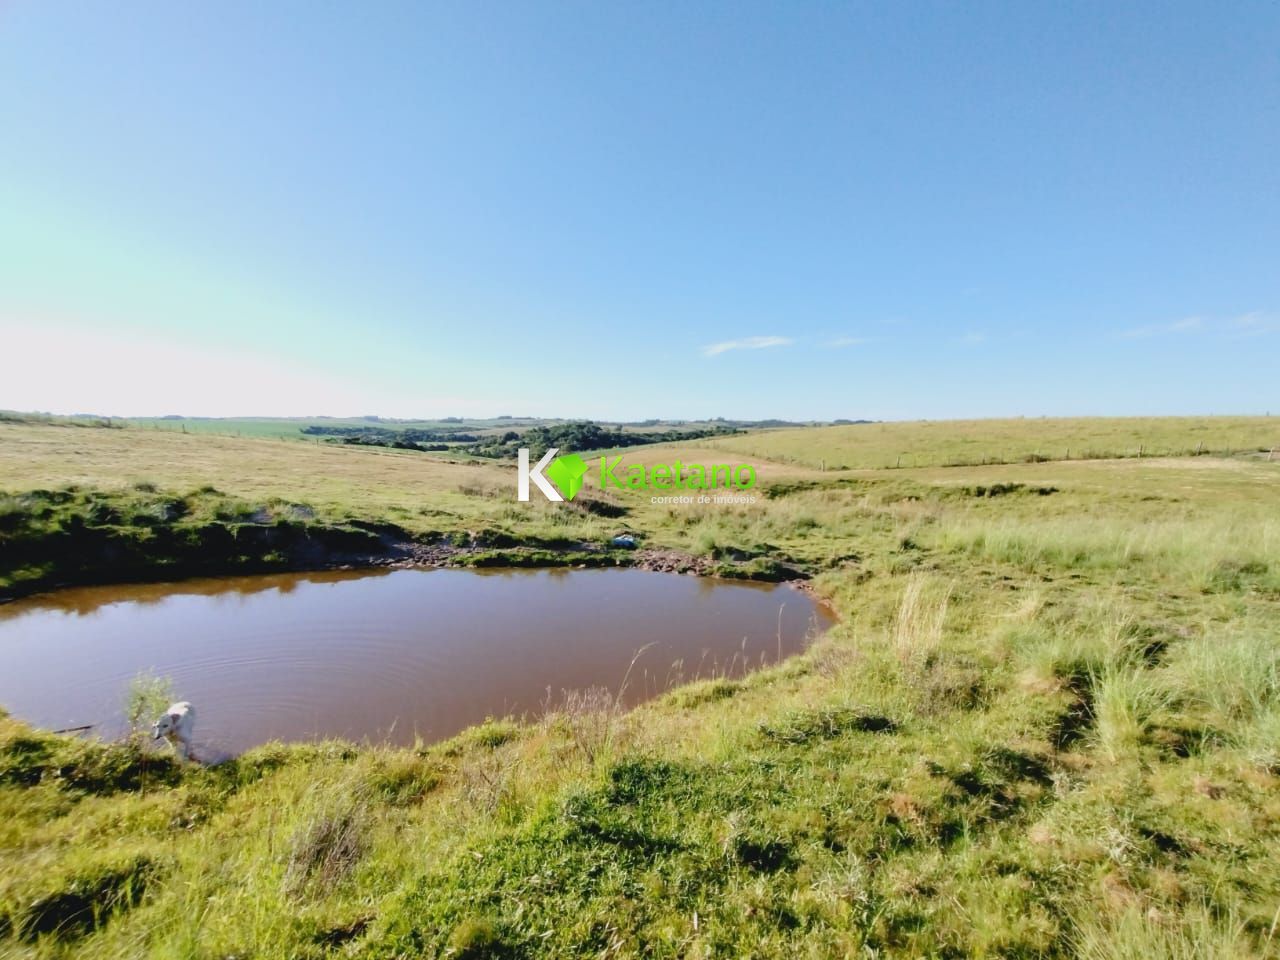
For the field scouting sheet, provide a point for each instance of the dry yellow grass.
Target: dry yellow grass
(945, 442)
(417, 491)
(34, 456)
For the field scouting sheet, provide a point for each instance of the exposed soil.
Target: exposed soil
(446, 553)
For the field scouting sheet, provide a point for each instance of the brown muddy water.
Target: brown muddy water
(384, 656)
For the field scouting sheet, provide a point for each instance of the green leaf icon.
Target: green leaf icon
(566, 473)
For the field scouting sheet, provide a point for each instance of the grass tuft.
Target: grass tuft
(327, 846)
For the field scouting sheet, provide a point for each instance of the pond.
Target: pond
(384, 656)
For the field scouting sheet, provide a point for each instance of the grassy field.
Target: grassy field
(929, 443)
(1046, 725)
(292, 428)
(271, 427)
(107, 491)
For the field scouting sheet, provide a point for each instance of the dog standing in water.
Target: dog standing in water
(176, 726)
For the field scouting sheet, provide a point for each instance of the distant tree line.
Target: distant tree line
(577, 435)
(388, 436)
(581, 435)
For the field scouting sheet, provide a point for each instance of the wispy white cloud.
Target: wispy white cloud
(1252, 324)
(848, 341)
(1185, 325)
(746, 343)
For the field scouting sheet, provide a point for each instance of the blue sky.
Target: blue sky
(802, 210)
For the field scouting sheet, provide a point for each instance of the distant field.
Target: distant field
(428, 492)
(419, 491)
(293, 427)
(275, 427)
(929, 443)
(331, 477)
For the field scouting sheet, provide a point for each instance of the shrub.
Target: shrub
(147, 697)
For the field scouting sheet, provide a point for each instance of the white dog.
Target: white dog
(176, 726)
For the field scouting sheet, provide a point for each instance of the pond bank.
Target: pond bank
(75, 537)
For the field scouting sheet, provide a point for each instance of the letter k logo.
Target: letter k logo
(567, 473)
